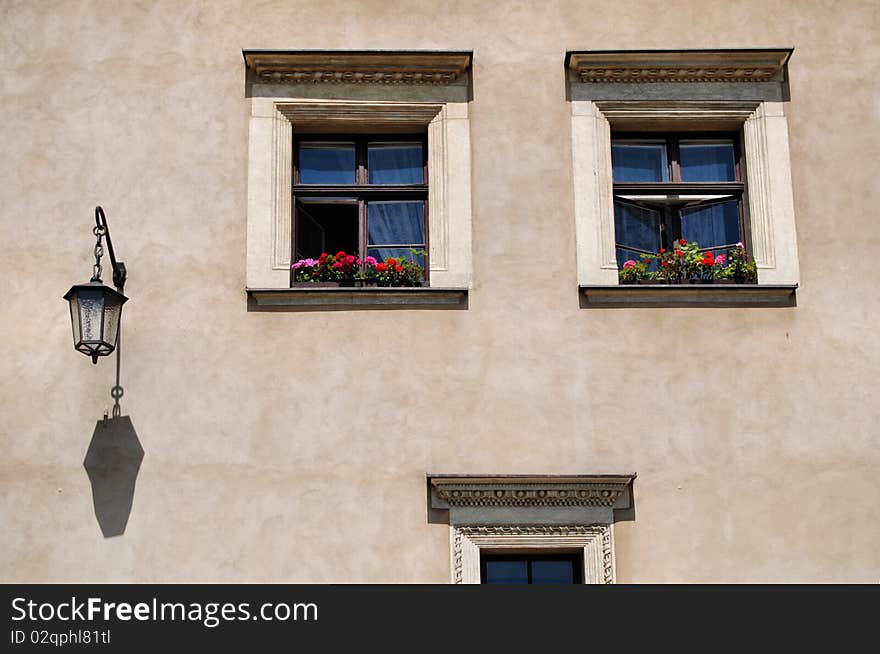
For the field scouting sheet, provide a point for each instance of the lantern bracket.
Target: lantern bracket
(102, 230)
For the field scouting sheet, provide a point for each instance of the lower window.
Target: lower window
(531, 569)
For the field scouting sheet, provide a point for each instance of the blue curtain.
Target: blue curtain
(639, 162)
(712, 226)
(707, 162)
(396, 222)
(395, 163)
(321, 163)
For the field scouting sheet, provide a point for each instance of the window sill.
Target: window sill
(336, 299)
(688, 295)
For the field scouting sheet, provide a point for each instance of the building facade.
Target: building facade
(520, 399)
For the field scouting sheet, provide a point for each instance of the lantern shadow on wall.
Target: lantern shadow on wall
(114, 456)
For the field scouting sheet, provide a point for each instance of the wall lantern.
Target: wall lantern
(95, 309)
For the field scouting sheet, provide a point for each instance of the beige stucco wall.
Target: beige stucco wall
(294, 446)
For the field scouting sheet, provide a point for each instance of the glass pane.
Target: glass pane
(91, 309)
(637, 227)
(381, 254)
(552, 572)
(326, 163)
(639, 162)
(112, 310)
(395, 163)
(326, 226)
(707, 162)
(507, 572)
(74, 317)
(395, 222)
(712, 226)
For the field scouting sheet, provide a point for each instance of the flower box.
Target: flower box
(686, 263)
(347, 270)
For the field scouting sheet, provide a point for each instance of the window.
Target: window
(531, 569)
(381, 104)
(671, 106)
(365, 194)
(531, 528)
(673, 186)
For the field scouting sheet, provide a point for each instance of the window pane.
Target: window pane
(326, 163)
(507, 572)
(712, 226)
(381, 254)
(552, 572)
(397, 222)
(707, 162)
(395, 163)
(636, 227)
(326, 226)
(639, 162)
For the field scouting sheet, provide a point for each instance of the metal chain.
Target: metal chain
(99, 251)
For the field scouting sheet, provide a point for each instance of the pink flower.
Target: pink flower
(720, 259)
(370, 261)
(740, 244)
(629, 264)
(305, 263)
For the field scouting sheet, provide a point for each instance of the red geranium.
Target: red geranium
(679, 253)
(398, 268)
(662, 250)
(381, 267)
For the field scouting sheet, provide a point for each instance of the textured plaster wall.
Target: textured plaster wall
(294, 446)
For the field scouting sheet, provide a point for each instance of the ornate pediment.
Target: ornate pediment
(634, 67)
(350, 67)
(529, 491)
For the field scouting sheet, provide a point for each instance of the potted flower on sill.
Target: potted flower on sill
(397, 271)
(338, 269)
(685, 263)
(636, 272)
(741, 269)
(343, 269)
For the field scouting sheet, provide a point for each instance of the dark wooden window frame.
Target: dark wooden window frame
(576, 559)
(361, 191)
(670, 227)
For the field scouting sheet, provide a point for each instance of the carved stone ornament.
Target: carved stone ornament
(679, 66)
(341, 67)
(525, 491)
(595, 541)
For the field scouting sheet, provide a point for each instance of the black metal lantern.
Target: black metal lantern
(96, 309)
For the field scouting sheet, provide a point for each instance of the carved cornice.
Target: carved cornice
(343, 67)
(678, 65)
(528, 491)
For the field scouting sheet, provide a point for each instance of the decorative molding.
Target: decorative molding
(596, 541)
(341, 67)
(678, 65)
(525, 491)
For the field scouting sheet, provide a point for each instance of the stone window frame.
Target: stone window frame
(316, 92)
(696, 88)
(536, 513)
(596, 542)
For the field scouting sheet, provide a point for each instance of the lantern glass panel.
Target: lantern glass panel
(91, 311)
(74, 318)
(112, 309)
